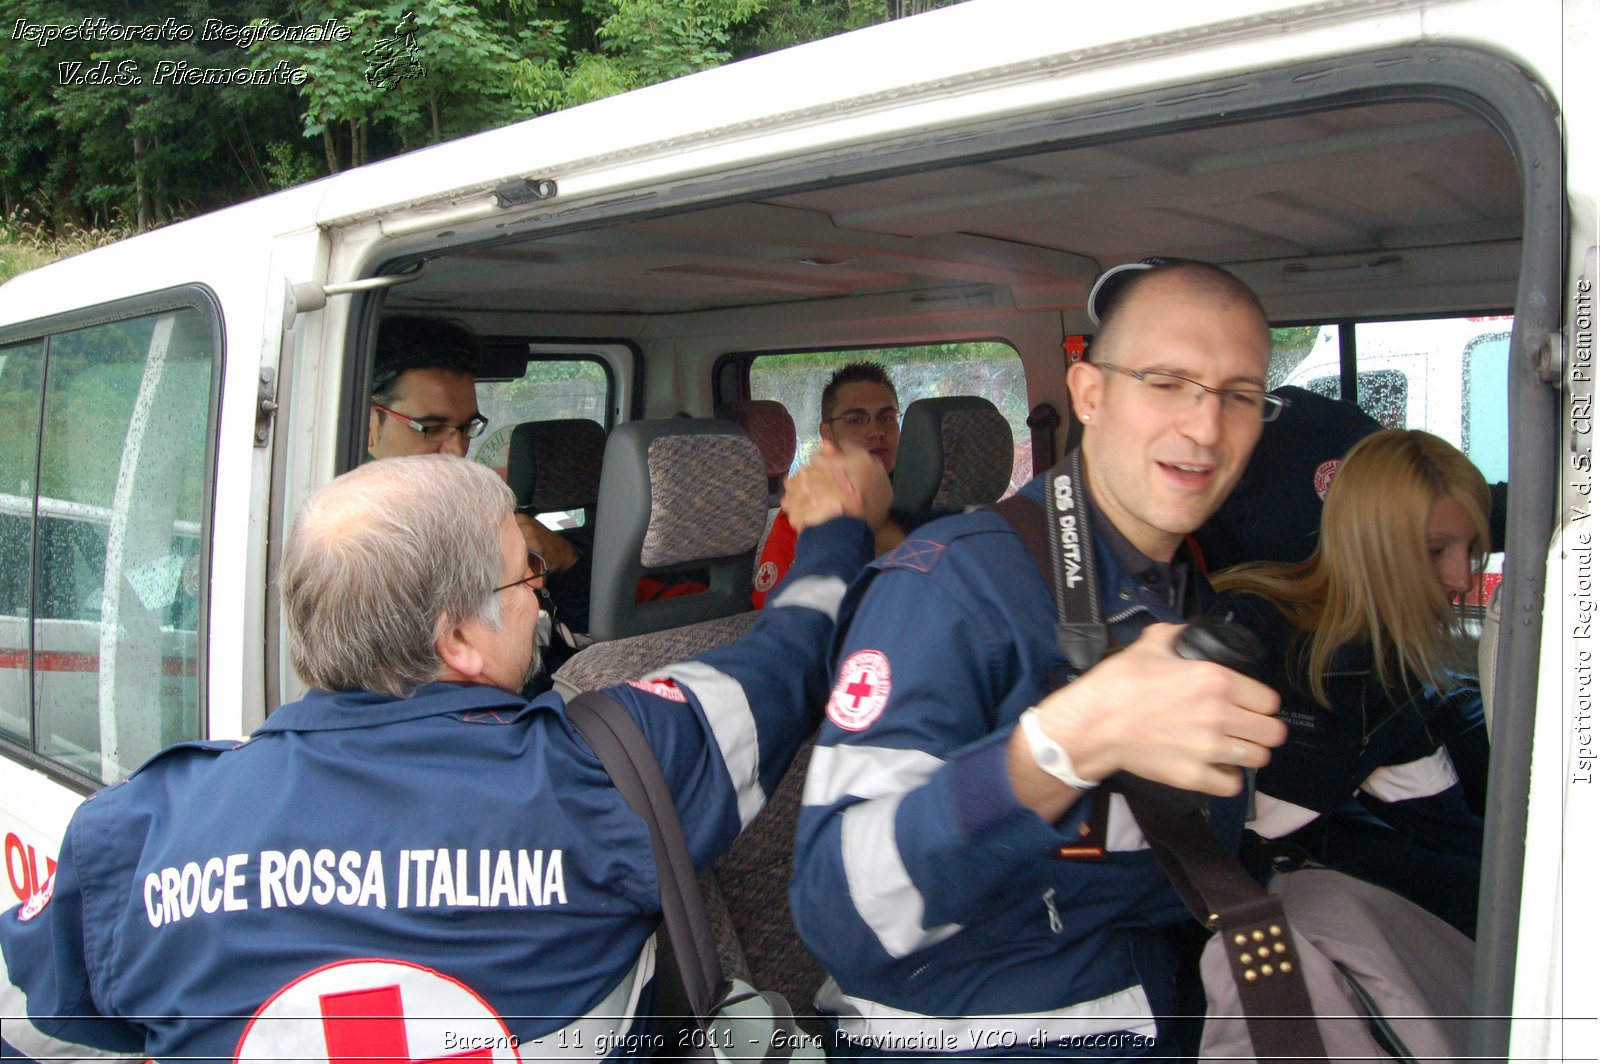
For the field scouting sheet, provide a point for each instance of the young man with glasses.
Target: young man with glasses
(860, 410)
(960, 870)
(425, 401)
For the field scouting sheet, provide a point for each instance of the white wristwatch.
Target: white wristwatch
(1049, 754)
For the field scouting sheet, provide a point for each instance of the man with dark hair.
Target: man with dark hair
(861, 406)
(424, 396)
(1276, 510)
(861, 410)
(962, 870)
(411, 862)
(425, 401)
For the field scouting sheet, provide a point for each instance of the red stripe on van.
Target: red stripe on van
(73, 661)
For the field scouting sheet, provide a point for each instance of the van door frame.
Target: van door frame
(1487, 85)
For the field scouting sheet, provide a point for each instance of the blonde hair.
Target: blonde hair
(1371, 580)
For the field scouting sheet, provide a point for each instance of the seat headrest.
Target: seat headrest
(767, 422)
(955, 452)
(555, 465)
(675, 494)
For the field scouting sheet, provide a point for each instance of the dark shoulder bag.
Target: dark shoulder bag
(701, 1015)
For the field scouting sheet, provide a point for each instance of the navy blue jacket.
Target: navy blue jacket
(950, 916)
(446, 874)
(1370, 786)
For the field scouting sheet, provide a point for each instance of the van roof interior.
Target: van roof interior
(1377, 208)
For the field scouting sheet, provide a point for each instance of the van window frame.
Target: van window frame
(1481, 82)
(730, 376)
(198, 297)
(623, 397)
(578, 350)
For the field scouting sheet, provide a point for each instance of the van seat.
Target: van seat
(771, 428)
(955, 453)
(554, 466)
(677, 495)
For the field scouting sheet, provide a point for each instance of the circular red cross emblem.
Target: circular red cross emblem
(1322, 479)
(863, 688)
(377, 1012)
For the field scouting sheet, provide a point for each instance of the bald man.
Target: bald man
(961, 871)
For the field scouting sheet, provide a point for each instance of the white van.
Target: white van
(944, 189)
(1445, 375)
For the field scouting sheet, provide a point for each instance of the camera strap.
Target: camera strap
(1069, 532)
(1212, 883)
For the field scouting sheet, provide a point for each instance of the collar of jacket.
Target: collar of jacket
(331, 710)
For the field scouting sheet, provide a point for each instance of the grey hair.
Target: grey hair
(382, 561)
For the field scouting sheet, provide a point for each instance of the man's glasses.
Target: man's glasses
(860, 419)
(1172, 390)
(536, 571)
(472, 428)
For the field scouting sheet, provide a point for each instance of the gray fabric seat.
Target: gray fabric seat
(771, 428)
(555, 465)
(681, 496)
(956, 452)
(746, 891)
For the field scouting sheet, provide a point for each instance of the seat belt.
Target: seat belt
(1043, 420)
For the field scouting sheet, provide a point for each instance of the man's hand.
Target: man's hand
(1145, 710)
(838, 483)
(558, 553)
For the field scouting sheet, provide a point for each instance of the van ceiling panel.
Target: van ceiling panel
(1378, 177)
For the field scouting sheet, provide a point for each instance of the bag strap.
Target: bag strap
(1254, 931)
(1072, 575)
(626, 755)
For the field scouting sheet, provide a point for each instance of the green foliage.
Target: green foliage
(151, 152)
(287, 165)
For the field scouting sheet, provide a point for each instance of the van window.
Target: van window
(1380, 392)
(1445, 375)
(1448, 376)
(990, 369)
(105, 494)
(549, 389)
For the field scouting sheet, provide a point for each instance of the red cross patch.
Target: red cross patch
(35, 905)
(667, 689)
(377, 1012)
(1322, 479)
(863, 688)
(766, 576)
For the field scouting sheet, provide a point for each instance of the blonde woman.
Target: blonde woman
(1368, 654)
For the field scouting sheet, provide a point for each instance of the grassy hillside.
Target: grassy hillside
(25, 245)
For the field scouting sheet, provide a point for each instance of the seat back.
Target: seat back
(555, 465)
(955, 453)
(680, 496)
(771, 428)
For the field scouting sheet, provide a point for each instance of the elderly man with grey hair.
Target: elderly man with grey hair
(411, 862)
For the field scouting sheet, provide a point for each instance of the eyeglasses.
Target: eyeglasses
(1173, 390)
(860, 419)
(536, 571)
(472, 428)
